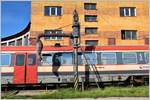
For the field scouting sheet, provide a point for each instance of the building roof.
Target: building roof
(27, 28)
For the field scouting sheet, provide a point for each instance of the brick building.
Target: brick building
(103, 22)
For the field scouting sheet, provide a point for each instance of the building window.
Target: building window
(128, 34)
(129, 58)
(90, 6)
(127, 11)
(53, 32)
(108, 58)
(19, 42)
(146, 41)
(111, 41)
(12, 43)
(4, 44)
(91, 30)
(91, 42)
(26, 40)
(52, 11)
(90, 18)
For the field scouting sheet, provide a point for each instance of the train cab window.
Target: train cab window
(20, 59)
(108, 58)
(129, 58)
(66, 59)
(5, 59)
(31, 59)
(90, 57)
(47, 59)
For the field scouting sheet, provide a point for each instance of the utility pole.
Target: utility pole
(76, 44)
(75, 39)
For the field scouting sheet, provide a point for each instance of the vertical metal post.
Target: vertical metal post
(76, 76)
(76, 36)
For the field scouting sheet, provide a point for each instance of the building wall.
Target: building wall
(109, 22)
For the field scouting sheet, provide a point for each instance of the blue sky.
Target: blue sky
(15, 16)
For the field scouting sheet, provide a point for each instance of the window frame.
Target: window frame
(49, 8)
(24, 62)
(89, 60)
(88, 28)
(19, 42)
(129, 10)
(91, 40)
(34, 60)
(9, 43)
(46, 62)
(147, 61)
(62, 58)
(125, 32)
(114, 58)
(10, 59)
(123, 57)
(85, 18)
(90, 4)
(53, 38)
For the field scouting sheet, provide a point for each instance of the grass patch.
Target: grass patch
(141, 91)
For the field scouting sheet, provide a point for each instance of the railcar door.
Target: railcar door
(25, 68)
(31, 69)
(19, 68)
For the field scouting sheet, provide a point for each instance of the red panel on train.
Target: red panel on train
(19, 69)
(31, 69)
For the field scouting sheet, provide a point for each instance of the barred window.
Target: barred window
(52, 11)
(129, 34)
(127, 11)
(53, 32)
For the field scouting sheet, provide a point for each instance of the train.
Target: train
(20, 66)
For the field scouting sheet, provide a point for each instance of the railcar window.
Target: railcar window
(32, 59)
(80, 62)
(129, 58)
(47, 59)
(147, 57)
(67, 59)
(20, 59)
(140, 58)
(91, 58)
(108, 58)
(56, 60)
(5, 59)
(53, 59)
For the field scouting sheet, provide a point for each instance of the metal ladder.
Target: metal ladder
(93, 66)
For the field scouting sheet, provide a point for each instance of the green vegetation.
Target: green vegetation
(141, 91)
